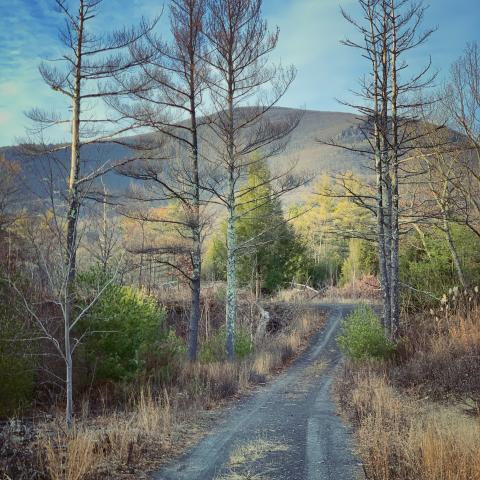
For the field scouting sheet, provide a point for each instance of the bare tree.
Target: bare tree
(461, 101)
(442, 177)
(389, 105)
(170, 108)
(244, 86)
(89, 62)
(462, 96)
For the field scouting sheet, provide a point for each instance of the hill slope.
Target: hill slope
(303, 147)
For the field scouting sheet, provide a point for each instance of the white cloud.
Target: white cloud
(8, 88)
(4, 117)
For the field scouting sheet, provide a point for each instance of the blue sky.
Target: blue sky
(309, 39)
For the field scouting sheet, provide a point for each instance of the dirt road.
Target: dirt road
(288, 430)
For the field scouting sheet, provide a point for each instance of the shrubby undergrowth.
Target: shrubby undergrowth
(16, 356)
(213, 349)
(417, 417)
(125, 333)
(363, 336)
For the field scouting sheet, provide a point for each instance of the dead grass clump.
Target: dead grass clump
(119, 439)
(448, 447)
(154, 416)
(69, 456)
(400, 438)
(441, 353)
(264, 363)
(295, 295)
(106, 442)
(211, 383)
(271, 360)
(255, 450)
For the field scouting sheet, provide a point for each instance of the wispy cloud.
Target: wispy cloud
(27, 35)
(310, 34)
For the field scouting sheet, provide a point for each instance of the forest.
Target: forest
(191, 240)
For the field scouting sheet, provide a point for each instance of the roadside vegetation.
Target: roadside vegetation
(150, 403)
(416, 413)
(410, 383)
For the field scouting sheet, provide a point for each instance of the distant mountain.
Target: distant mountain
(312, 155)
(304, 147)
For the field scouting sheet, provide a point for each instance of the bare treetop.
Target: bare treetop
(91, 59)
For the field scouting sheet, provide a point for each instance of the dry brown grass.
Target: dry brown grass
(154, 415)
(400, 438)
(254, 451)
(403, 431)
(279, 349)
(105, 442)
(365, 288)
(295, 295)
(243, 476)
(154, 425)
(242, 460)
(71, 456)
(207, 385)
(441, 353)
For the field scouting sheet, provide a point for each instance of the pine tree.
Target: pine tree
(267, 247)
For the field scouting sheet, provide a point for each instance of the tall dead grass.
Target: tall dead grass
(153, 424)
(441, 351)
(105, 442)
(404, 432)
(401, 438)
(278, 350)
(69, 456)
(364, 288)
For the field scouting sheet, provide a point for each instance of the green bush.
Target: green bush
(162, 360)
(126, 335)
(363, 336)
(213, 350)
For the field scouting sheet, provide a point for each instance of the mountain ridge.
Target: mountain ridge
(304, 147)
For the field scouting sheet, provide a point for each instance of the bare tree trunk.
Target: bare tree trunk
(196, 230)
(195, 312)
(395, 264)
(382, 252)
(105, 253)
(380, 180)
(231, 300)
(196, 255)
(385, 166)
(72, 219)
(395, 267)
